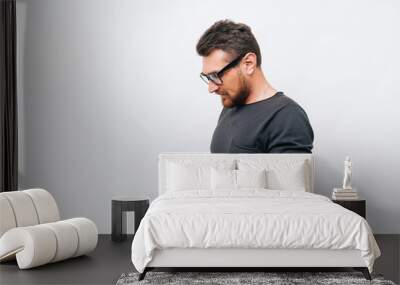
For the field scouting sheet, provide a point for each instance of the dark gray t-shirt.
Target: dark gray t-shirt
(273, 125)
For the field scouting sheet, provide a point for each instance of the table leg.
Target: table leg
(118, 222)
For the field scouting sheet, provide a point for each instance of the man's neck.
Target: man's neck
(260, 89)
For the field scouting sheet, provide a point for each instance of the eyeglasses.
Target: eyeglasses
(215, 77)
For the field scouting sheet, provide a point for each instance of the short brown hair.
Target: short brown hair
(234, 38)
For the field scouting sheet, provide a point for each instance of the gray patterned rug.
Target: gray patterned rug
(270, 278)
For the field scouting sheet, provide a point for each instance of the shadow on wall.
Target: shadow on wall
(29, 83)
(326, 176)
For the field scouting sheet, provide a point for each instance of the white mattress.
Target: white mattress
(250, 218)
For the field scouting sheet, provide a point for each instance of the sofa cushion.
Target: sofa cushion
(40, 244)
(27, 208)
(7, 220)
(45, 205)
(23, 208)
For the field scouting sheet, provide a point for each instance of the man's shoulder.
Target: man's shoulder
(288, 100)
(290, 105)
(280, 100)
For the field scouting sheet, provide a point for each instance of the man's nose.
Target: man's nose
(212, 87)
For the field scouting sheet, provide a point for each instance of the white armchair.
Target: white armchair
(32, 233)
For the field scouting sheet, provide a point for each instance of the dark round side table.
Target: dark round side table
(119, 206)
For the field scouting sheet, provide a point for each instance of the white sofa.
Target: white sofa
(31, 231)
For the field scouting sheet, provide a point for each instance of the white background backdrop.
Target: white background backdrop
(104, 86)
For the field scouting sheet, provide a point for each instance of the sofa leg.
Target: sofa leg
(364, 271)
(143, 274)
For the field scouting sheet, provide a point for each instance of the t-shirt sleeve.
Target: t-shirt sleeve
(290, 132)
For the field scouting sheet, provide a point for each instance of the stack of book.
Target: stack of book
(344, 194)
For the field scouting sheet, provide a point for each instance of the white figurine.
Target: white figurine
(347, 174)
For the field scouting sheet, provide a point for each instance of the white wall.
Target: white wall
(107, 85)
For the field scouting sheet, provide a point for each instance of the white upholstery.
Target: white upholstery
(23, 209)
(31, 233)
(45, 205)
(7, 219)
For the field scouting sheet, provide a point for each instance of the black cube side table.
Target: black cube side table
(119, 206)
(357, 206)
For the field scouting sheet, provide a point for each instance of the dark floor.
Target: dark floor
(111, 259)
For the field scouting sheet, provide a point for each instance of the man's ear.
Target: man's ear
(250, 63)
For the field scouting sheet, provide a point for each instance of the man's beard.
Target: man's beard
(239, 98)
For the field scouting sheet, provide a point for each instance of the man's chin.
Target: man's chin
(227, 103)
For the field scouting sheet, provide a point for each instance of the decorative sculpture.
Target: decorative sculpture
(347, 174)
